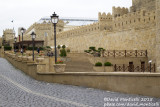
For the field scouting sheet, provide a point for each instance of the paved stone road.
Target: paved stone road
(19, 90)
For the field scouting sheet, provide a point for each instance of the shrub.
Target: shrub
(35, 48)
(98, 64)
(63, 53)
(92, 48)
(58, 46)
(107, 64)
(31, 48)
(41, 48)
(48, 47)
(59, 62)
(41, 54)
(24, 55)
(86, 51)
(100, 49)
(7, 47)
(63, 46)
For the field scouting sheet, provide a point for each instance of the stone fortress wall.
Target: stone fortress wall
(158, 35)
(141, 39)
(124, 29)
(139, 19)
(120, 19)
(143, 4)
(44, 31)
(121, 30)
(42, 27)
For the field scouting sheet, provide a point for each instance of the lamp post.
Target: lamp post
(22, 31)
(15, 39)
(150, 65)
(54, 19)
(33, 36)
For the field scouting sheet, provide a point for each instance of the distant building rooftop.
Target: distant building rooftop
(72, 21)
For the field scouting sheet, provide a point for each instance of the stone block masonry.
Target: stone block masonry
(147, 84)
(158, 35)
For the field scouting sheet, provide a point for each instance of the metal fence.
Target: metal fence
(134, 68)
(125, 53)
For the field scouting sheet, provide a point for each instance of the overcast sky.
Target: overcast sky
(26, 12)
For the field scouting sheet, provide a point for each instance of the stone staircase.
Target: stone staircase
(78, 63)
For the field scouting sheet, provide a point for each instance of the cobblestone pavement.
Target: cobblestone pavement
(19, 90)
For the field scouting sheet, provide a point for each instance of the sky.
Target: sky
(26, 12)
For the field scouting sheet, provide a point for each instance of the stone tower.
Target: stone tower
(8, 34)
(143, 4)
(105, 21)
(158, 35)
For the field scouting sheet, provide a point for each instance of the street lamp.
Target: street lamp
(2, 40)
(15, 39)
(150, 65)
(22, 31)
(54, 19)
(33, 36)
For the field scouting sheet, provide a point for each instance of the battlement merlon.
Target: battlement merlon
(103, 16)
(119, 11)
(79, 30)
(8, 31)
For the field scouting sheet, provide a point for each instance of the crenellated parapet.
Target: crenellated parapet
(119, 11)
(8, 31)
(105, 21)
(139, 19)
(8, 34)
(104, 17)
(79, 30)
(132, 20)
(42, 29)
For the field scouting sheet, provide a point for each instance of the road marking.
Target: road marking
(46, 96)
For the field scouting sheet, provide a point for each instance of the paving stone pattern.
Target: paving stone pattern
(19, 90)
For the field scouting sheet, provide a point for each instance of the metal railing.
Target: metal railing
(134, 68)
(125, 53)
